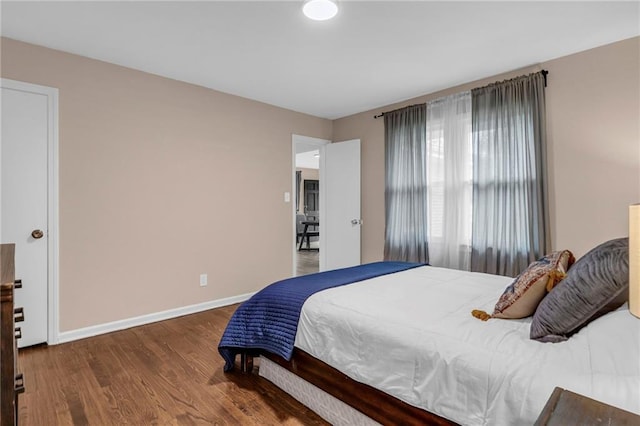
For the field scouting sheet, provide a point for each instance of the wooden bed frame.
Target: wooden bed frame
(377, 405)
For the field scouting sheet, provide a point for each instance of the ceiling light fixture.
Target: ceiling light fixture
(320, 10)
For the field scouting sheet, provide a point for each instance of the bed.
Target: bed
(403, 347)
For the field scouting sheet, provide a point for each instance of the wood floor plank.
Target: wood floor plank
(307, 262)
(166, 373)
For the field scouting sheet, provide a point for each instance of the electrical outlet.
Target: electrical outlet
(203, 280)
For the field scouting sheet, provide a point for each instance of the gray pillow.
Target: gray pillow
(596, 284)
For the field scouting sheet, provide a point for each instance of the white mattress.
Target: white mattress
(326, 406)
(411, 334)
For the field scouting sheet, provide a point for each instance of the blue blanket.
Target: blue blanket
(269, 319)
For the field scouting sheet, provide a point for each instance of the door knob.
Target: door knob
(37, 234)
(356, 221)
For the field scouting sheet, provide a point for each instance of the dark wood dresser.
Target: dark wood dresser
(566, 408)
(11, 382)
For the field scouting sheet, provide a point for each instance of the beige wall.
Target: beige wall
(161, 181)
(593, 112)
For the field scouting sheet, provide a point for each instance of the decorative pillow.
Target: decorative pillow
(521, 298)
(598, 283)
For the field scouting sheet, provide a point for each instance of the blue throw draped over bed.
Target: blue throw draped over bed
(269, 320)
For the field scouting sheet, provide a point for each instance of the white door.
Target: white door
(24, 200)
(340, 205)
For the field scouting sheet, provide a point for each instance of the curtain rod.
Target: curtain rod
(543, 72)
(387, 112)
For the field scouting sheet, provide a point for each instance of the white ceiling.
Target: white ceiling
(308, 160)
(372, 54)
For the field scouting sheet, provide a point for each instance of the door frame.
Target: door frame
(53, 326)
(296, 141)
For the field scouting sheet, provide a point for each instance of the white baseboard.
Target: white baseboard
(95, 330)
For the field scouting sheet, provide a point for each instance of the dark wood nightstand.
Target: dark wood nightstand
(565, 408)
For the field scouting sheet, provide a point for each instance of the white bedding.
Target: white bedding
(411, 335)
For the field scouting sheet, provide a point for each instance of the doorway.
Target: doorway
(339, 200)
(306, 182)
(28, 202)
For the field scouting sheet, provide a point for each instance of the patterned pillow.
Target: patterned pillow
(521, 298)
(598, 283)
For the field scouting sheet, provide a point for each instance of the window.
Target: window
(466, 179)
(449, 180)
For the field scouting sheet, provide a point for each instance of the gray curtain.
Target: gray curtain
(298, 180)
(406, 185)
(510, 225)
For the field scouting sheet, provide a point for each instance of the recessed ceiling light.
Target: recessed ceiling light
(320, 10)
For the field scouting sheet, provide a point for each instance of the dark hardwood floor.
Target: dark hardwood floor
(166, 373)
